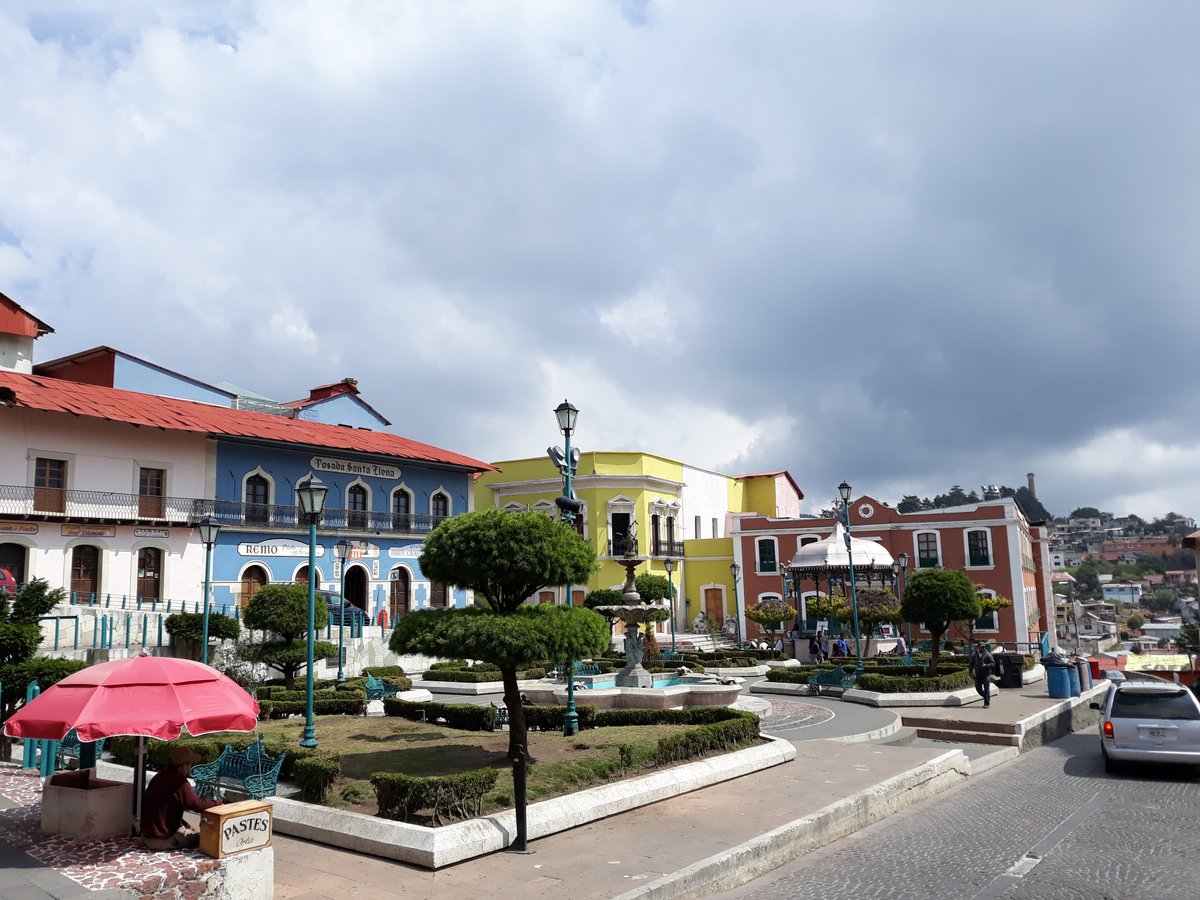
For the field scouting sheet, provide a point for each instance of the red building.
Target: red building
(992, 541)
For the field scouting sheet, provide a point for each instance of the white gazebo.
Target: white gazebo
(829, 559)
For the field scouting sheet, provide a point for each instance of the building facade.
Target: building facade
(991, 541)
(109, 462)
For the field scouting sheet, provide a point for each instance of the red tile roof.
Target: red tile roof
(151, 411)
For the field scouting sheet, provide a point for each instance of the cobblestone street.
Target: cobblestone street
(1052, 815)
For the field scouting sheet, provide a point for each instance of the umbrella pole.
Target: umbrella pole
(139, 783)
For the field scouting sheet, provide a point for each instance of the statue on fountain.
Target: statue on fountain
(635, 647)
(631, 538)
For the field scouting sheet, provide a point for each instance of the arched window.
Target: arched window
(356, 507)
(439, 506)
(979, 551)
(257, 498)
(401, 512)
(149, 573)
(12, 557)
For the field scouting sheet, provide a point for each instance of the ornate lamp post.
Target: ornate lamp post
(844, 490)
(341, 550)
(735, 570)
(902, 565)
(669, 565)
(570, 507)
(311, 493)
(208, 536)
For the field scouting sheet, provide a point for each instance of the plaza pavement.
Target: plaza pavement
(722, 826)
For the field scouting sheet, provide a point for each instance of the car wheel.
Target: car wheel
(1111, 766)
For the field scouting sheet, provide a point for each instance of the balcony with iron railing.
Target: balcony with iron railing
(659, 549)
(108, 507)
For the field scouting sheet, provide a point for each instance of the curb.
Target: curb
(766, 852)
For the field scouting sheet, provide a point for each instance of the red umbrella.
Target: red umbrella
(145, 696)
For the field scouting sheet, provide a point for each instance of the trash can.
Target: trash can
(1073, 676)
(1094, 665)
(1085, 675)
(1058, 679)
(1009, 667)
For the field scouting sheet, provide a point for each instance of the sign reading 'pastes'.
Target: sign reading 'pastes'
(354, 467)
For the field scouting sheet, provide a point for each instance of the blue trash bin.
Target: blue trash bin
(1058, 681)
(1073, 675)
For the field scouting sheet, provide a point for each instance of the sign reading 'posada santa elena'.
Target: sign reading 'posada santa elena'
(354, 467)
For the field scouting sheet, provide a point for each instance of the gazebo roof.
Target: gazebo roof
(830, 553)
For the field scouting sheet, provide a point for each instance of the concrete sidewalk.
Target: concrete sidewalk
(610, 857)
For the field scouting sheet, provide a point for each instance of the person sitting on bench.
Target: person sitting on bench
(169, 794)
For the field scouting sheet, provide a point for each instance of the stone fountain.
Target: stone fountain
(634, 614)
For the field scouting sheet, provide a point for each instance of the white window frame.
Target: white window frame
(440, 489)
(401, 489)
(917, 552)
(758, 556)
(988, 592)
(987, 532)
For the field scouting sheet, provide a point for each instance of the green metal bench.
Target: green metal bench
(906, 660)
(838, 677)
(70, 746)
(250, 770)
(672, 656)
(560, 672)
(377, 688)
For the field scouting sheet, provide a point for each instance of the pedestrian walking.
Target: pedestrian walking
(981, 666)
(814, 647)
(823, 639)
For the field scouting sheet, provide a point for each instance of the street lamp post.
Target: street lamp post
(844, 490)
(669, 565)
(902, 559)
(341, 550)
(311, 493)
(735, 570)
(566, 415)
(208, 536)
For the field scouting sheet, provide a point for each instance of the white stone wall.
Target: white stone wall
(704, 494)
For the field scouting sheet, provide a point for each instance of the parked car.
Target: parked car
(8, 584)
(1149, 722)
(340, 610)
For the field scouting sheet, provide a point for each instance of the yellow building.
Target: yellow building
(682, 513)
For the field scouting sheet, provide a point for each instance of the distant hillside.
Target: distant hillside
(956, 496)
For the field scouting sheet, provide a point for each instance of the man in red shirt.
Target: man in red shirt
(169, 794)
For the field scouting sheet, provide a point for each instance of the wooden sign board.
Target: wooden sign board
(235, 828)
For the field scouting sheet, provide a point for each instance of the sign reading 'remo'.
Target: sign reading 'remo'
(354, 467)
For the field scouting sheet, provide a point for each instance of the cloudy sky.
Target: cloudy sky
(903, 244)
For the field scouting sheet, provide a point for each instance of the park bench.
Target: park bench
(671, 656)
(905, 660)
(838, 677)
(250, 770)
(502, 711)
(560, 672)
(69, 748)
(377, 688)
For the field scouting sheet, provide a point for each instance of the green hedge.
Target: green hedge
(449, 664)
(381, 671)
(550, 718)
(720, 736)
(450, 797)
(350, 691)
(314, 775)
(465, 676)
(694, 715)
(915, 684)
(465, 716)
(354, 706)
(124, 750)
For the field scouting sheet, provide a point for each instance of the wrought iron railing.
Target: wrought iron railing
(665, 548)
(19, 501)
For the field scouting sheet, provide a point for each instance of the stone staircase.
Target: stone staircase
(1003, 734)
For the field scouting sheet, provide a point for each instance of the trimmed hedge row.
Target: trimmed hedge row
(355, 706)
(464, 716)
(693, 715)
(449, 664)
(382, 671)
(348, 691)
(915, 684)
(449, 796)
(550, 718)
(719, 736)
(801, 674)
(124, 750)
(315, 775)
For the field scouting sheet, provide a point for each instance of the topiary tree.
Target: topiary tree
(505, 557)
(282, 609)
(603, 597)
(938, 597)
(20, 636)
(833, 606)
(770, 613)
(190, 626)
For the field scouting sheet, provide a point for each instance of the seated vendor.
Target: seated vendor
(169, 794)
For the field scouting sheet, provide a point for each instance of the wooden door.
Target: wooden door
(85, 571)
(253, 578)
(398, 595)
(714, 605)
(149, 573)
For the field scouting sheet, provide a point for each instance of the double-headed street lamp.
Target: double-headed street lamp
(570, 508)
(311, 493)
(844, 490)
(342, 551)
(735, 570)
(669, 565)
(208, 537)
